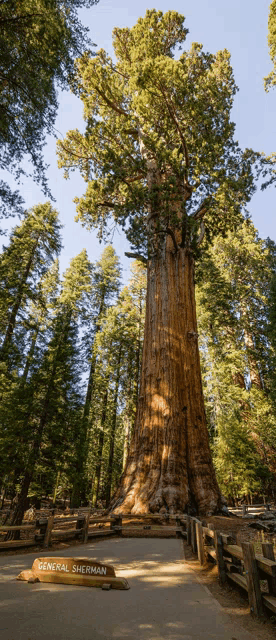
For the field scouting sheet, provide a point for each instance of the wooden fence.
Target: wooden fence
(83, 526)
(250, 508)
(45, 531)
(254, 573)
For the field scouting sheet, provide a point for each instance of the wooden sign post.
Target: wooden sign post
(79, 571)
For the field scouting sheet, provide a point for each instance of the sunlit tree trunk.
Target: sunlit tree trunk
(169, 467)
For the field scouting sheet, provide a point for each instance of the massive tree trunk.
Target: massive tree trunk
(169, 467)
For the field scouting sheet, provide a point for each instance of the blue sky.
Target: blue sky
(239, 26)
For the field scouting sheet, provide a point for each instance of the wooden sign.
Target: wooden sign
(78, 571)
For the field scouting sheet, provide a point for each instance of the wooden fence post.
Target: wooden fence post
(200, 543)
(80, 524)
(116, 524)
(48, 532)
(85, 528)
(219, 554)
(188, 525)
(268, 552)
(193, 535)
(252, 576)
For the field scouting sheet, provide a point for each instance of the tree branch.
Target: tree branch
(202, 234)
(26, 16)
(175, 120)
(130, 180)
(200, 212)
(111, 104)
(73, 153)
(171, 233)
(136, 256)
(141, 176)
(110, 205)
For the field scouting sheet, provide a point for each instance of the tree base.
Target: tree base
(164, 499)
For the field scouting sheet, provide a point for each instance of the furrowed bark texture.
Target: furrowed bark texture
(169, 467)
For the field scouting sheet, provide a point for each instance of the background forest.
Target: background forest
(71, 354)
(71, 342)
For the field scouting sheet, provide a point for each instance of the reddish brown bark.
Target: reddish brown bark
(169, 466)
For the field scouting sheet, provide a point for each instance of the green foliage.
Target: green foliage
(77, 283)
(233, 302)
(270, 80)
(106, 279)
(104, 288)
(117, 348)
(11, 203)
(45, 405)
(33, 246)
(158, 139)
(49, 423)
(39, 40)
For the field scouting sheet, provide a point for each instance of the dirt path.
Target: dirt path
(165, 601)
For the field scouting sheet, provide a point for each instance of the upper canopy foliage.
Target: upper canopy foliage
(158, 137)
(270, 80)
(39, 40)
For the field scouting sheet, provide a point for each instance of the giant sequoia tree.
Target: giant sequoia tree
(159, 157)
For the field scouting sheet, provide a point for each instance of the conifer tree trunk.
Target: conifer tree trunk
(32, 461)
(132, 400)
(30, 356)
(169, 466)
(100, 448)
(113, 430)
(79, 487)
(255, 375)
(17, 303)
(36, 445)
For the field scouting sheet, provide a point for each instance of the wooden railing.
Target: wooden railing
(83, 526)
(249, 508)
(45, 531)
(239, 564)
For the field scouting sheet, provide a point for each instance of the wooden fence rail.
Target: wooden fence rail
(52, 529)
(253, 572)
(245, 509)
